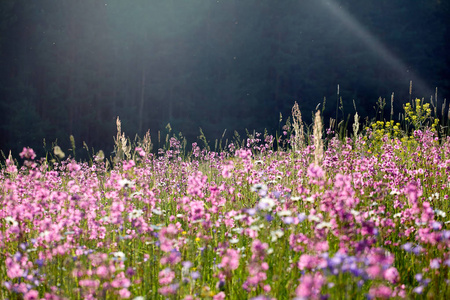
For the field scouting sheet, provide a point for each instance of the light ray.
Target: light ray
(395, 63)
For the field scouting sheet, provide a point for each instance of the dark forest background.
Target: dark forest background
(71, 67)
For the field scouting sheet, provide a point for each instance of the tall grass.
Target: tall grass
(365, 217)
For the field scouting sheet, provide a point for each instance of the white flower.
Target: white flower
(11, 221)
(125, 183)
(397, 215)
(276, 234)
(119, 255)
(239, 217)
(135, 213)
(354, 212)
(255, 227)
(284, 213)
(314, 218)
(266, 204)
(44, 233)
(435, 195)
(238, 230)
(295, 198)
(136, 194)
(394, 192)
(309, 199)
(139, 298)
(323, 225)
(440, 213)
(157, 211)
(259, 187)
(234, 241)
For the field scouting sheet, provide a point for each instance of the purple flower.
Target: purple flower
(418, 290)
(186, 264)
(195, 275)
(302, 217)
(269, 218)
(408, 247)
(334, 261)
(288, 220)
(417, 249)
(251, 211)
(435, 264)
(436, 225)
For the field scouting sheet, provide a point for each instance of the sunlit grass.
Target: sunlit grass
(367, 218)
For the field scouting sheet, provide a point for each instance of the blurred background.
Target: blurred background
(71, 67)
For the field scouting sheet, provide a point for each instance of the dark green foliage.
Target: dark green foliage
(71, 67)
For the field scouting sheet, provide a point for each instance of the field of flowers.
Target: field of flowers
(361, 217)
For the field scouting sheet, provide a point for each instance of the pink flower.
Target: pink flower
(121, 283)
(230, 261)
(140, 151)
(307, 262)
(169, 289)
(315, 172)
(243, 153)
(219, 296)
(413, 192)
(173, 258)
(259, 249)
(310, 285)
(166, 236)
(381, 292)
(127, 165)
(89, 283)
(124, 293)
(197, 210)
(31, 295)
(391, 275)
(13, 269)
(226, 169)
(166, 276)
(373, 271)
(102, 272)
(196, 182)
(27, 153)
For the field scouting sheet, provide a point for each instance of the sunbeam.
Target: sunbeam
(395, 63)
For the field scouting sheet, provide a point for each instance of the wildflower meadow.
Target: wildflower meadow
(308, 214)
